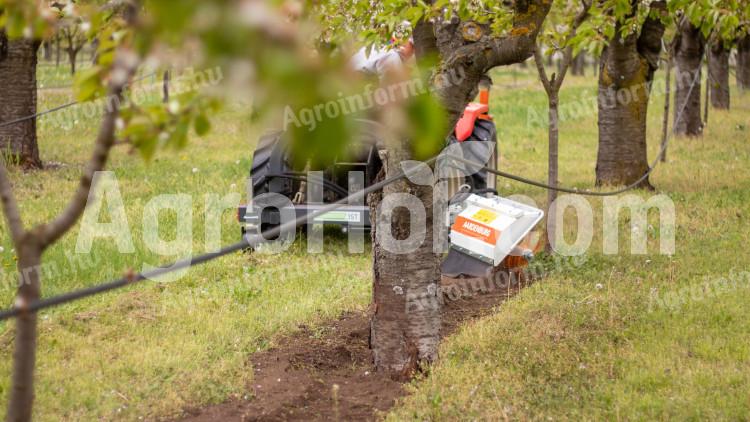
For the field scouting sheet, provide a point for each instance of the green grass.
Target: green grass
(565, 349)
(562, 349)
(155, 348)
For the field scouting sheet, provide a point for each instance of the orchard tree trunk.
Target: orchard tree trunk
(552, 87)
(31, 243)
(718, 75)
(405, 324)
(689, 50)
(405, 321)
(57, 51)
(24, 354)
(72, 57)
(743, 63)
(47, 51)
(578, 66)
(626, 71)
(552, 166)
(18, 142)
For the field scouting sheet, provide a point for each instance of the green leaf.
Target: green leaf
(88, 84)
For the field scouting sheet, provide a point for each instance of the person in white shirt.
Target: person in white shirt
(380, 61)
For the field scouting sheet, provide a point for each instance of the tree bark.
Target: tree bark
(31, 244)
(552, 177)
(47, 51)
(469, 50)
(626, 71)
(24, 354)
(718, 75)
(18, 141)
(689, 50)
(425, 44)
(743, 63)
(72, 57)
(552, 87)
(405, 324)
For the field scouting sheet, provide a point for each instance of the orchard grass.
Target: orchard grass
(594, 343)
(562, 348)
(153, 349)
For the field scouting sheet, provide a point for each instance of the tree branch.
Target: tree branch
(539, 61)
(649, 42)
(10, 206)
(122, 71)
(582, 15)
(425, 43)
(469, 50)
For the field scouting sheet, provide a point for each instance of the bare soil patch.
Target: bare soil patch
(327, 373)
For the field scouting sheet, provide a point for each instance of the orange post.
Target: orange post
(484, 96)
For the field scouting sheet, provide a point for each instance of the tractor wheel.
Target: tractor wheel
(262, 160)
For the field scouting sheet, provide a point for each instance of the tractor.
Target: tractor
(484, 227)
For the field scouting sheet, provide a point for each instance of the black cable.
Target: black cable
(586, 192)
(42, 113)
(116, 284)
(276, 231)
(54, 109)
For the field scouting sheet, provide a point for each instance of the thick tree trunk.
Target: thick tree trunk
(626, 71)
(743, 63)
(718, 75)
(689, 51)
(24, 354)
(578, 65)
(18, 142)
(405, 324)
(405, 321)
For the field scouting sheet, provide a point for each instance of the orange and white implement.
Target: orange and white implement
(489, 229)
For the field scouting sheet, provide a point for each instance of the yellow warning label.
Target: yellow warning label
(484, 216)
